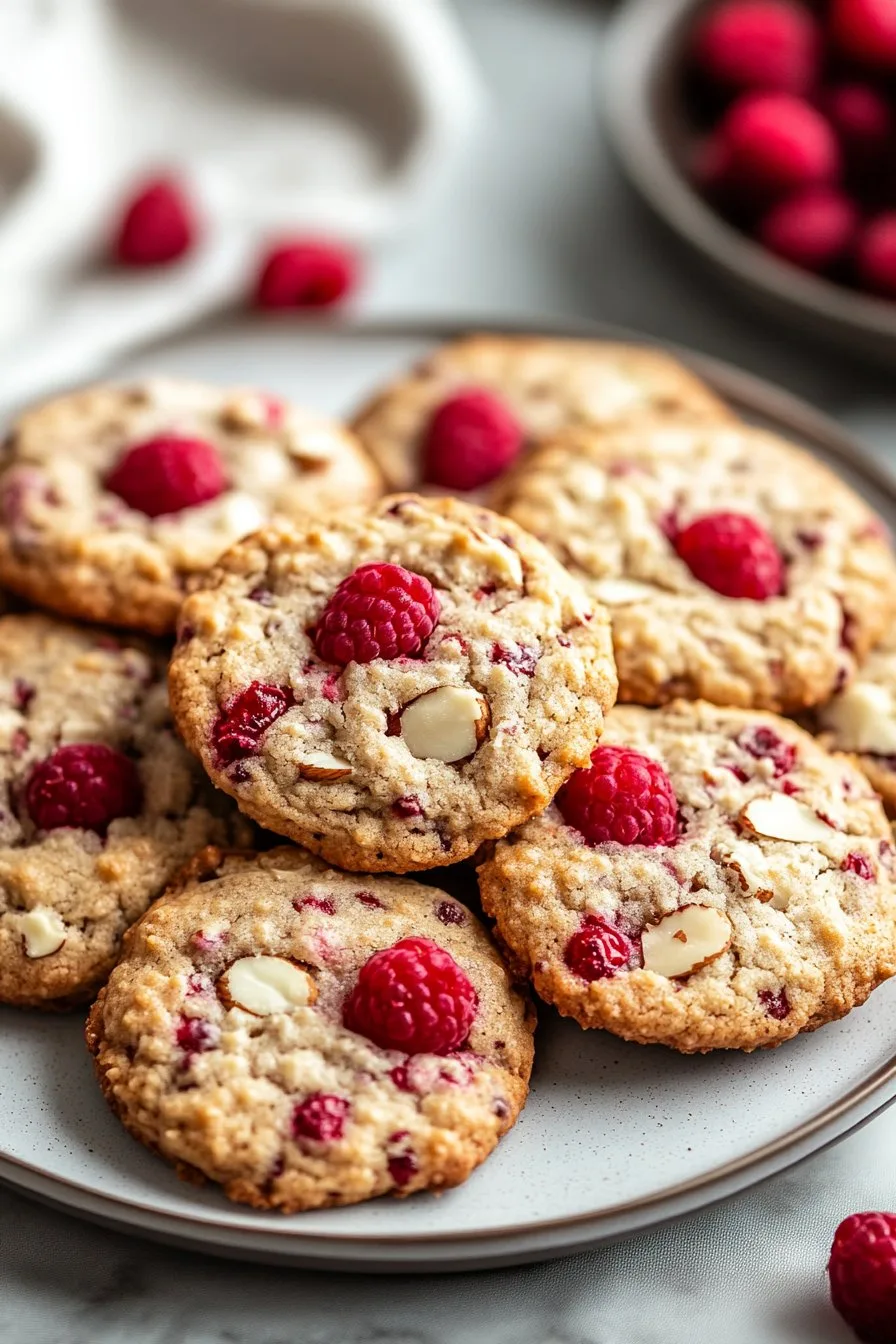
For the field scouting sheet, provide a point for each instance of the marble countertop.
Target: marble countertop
(539, 222)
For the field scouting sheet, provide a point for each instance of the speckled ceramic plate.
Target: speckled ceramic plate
(615, 1138)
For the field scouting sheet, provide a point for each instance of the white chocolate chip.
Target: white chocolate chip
(446, 724)
(265, 985)
(43, 930)
(315, 444)
(324, 766)
(778, 816)
(863, 718)
(685, 941)
(247, 410)
(622, 592)
(240, 514)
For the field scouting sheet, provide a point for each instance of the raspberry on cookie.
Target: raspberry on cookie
(860, 720)
(307, 1038)
(114, 498)
(714, 880)
(99, 804)
(737, 568)
(462, 418)
(392, 688)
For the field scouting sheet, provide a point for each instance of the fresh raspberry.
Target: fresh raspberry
(379, 611)
(813, 229)
(157, 225)
(862, 1270)
(471, 438)
(865, 30)
(864, 123)
(758, 44)
(597, 951)
(733, 555)
(320, 1117)
(860, 865)
(876, 255)
(412, 997)
(623, 797)
(765, 744)
(167, 474)
(305, 273)
(243, 722)
(778, 144)
(85, 785)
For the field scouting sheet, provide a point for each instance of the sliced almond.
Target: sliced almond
(862, 718)
(685, 941)
(446, 724)
(42, 929)
(622, 592)
(324, 766)
(779, 816)
(747, 861)
(265, 985)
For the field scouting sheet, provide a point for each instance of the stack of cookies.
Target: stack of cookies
(397, 683)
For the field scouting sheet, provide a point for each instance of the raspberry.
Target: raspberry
(403, 1165)
(733, 555)
(520, 659)
(777, 144)
(765, 744)
(242, 723)
(167, 474)
(305, 273)
(876, 255)
(862, 1271)
(320, 1117)
(775, 1003)
(379, 611)
(157, 225)
(623, 797)
(813, 229)
(866, 31)
(194, 1035)
(597, 951)
(758, 44)
(860, 865)
(864, 124)
(470, 440)
(85, 785)
(412, 997)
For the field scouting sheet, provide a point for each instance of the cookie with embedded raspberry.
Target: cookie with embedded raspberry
(737, 567)
(714, 880)
(861, 721)
(99, 804)
(308, 1038)
(114, 498)
(462, 417)
(390, 688)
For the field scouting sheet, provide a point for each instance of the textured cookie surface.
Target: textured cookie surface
(69, 891)
(220, 1042)
(861, 720)
(546, 385)
(403, 762)
(70, 542)
(617, 508)
(769, 911)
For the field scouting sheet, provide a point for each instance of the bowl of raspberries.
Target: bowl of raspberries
(764, 132)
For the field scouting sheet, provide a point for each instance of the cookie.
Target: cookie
(390, 688)
(114, 497)
(715, 880)
(99, 804)
(460, 419)
(861, 721)
(306, 1038)
(738, 568)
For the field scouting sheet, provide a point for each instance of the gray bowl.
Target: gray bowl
(649, 129)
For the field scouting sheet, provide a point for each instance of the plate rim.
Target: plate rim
(790, 414)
